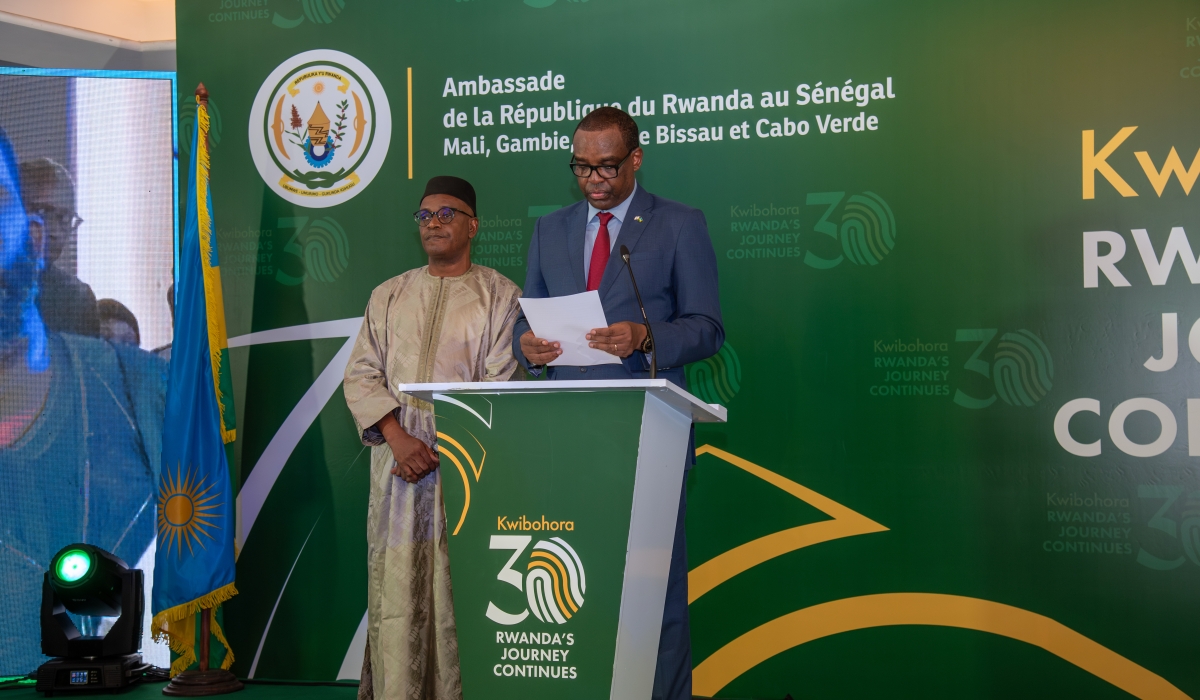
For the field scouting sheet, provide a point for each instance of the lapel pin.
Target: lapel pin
(637, 219)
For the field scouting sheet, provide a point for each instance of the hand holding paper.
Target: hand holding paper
(567, 320)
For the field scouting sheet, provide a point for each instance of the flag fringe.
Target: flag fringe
(213, 301)
(183, 642)
(180, 612)
(217, 632)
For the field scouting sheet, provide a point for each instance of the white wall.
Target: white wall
(126, 196)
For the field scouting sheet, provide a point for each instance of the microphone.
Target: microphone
(649, 331)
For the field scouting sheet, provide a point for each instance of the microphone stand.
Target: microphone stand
(645, 319)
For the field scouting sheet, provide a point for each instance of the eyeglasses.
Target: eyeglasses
(59, 219)
(607, 172)
(444, 215)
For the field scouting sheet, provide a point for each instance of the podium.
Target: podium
(561, 499)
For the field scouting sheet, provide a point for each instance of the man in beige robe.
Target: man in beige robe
(447, 321)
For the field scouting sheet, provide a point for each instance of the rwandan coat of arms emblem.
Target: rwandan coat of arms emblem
(320, 128)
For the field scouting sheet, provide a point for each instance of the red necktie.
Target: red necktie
(600, 253)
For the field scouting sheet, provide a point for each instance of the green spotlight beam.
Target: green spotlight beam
(73, 566)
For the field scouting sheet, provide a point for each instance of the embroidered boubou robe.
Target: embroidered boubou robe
(418, 328)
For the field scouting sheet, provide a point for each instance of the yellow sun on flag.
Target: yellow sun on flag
(185, 509)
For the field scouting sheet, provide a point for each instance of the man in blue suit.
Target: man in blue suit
(575, 249)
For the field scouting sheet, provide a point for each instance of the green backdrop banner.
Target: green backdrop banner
(956, 247)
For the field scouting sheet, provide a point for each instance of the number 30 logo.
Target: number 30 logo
(554, 582)
(1023, 368)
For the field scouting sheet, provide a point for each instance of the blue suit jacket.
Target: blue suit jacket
(676, 268)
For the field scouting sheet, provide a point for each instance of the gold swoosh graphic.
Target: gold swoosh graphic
(721, 568)
(887, 609)
(452, 441)
(476, 470)
(466, 482)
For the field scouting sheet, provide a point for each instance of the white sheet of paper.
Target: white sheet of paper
(567, 321)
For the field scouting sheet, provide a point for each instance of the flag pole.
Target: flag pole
(201, 99)
(205, 681)
(205, 631)
(206, 613)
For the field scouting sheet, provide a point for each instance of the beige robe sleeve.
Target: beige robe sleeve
(365, 382)
(500, 365)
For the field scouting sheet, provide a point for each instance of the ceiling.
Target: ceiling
(132, 20)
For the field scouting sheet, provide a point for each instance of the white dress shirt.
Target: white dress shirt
(593, 228)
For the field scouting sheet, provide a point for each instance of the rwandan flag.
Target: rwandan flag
(194, 563)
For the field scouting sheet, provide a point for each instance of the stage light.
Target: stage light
(74, 565)
(86, 580)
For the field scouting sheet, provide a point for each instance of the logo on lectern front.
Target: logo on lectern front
(320, 128)
(554, 580)
(555, 583)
